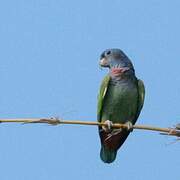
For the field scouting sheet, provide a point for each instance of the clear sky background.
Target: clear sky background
(49, 67)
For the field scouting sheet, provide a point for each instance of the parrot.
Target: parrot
(120, 100)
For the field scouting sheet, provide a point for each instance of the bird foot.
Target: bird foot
(108, 126)
(129, 126)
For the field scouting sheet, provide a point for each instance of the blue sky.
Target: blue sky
(49, 67)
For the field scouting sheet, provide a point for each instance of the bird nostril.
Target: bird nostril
(102, 56)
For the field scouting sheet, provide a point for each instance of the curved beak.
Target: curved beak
(104, 62)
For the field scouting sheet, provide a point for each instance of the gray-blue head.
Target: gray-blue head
(117, 62)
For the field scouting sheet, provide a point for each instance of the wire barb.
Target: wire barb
(51, 121)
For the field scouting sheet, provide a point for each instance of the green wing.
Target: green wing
(102, 93)
(141, 96)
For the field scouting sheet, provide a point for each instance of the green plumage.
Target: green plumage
(118, 102)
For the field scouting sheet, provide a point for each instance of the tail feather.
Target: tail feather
(107, 155)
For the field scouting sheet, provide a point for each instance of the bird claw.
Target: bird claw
(108, 126)
(177, 126)
(129, 126)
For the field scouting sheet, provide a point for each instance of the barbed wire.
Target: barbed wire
(173, 131)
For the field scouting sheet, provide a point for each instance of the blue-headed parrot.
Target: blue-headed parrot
(120, 100)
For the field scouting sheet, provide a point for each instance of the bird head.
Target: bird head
(117, 62)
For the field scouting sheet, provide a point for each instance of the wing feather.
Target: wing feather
(102, 93)
(141, 97)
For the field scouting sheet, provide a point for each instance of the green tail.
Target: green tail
(107, 155)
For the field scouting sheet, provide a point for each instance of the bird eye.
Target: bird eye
(108, 52)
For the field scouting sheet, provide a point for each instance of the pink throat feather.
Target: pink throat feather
(117, 71)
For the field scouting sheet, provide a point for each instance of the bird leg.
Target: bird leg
(113, 133)
(108, 126)
(129, 126)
